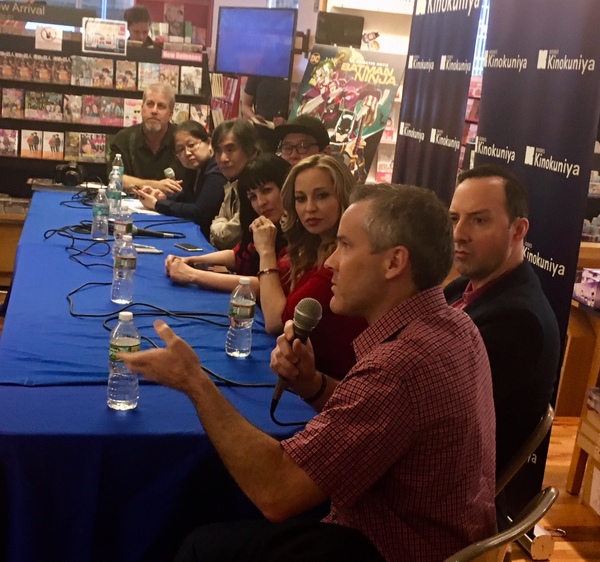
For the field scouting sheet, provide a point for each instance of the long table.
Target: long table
(78, 481)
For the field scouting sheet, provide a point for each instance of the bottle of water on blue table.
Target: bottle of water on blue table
(123, 387)
(241, 316)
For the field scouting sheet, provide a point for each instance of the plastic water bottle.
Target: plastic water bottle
(100, 211)
(123, 272)
(118, 162)
(115, 192)
(123, 226)
(241, 317)
(123, 388)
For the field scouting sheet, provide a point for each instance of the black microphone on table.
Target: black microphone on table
(307, 314)
(136, 231)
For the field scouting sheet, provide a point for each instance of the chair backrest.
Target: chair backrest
(521, 456)
(494, 548)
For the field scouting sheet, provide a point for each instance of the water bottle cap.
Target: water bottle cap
(101, 190)
(125, 316)
(244, 280)
(127, 238)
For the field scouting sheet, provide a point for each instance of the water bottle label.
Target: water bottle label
(123, 262)
(241, 311)
(122, 228)
(100, 211)
(114, 193)
(114, 349)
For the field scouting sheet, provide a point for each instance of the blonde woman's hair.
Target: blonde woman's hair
(306, 250)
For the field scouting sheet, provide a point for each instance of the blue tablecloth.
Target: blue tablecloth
(78, 481)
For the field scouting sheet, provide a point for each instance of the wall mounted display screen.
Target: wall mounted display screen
(256, 41)
(339, 29)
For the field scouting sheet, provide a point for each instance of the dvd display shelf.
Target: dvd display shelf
(65, 105)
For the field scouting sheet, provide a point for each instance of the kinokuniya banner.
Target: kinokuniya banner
(434, 98)
(351, 92)
(540, 104)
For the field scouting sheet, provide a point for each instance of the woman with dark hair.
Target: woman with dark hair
(203, 185)
(235, 142)
(259, 186)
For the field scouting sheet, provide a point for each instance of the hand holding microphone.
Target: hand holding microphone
(283, 360)
(169, 185)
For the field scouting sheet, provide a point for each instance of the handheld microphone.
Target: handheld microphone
(150, 233)
(307, 314)
(169, 173)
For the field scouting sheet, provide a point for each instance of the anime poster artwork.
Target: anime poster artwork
(352, 93)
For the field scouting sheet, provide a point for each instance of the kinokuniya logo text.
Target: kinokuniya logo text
(552, 59)
(542, 262)
(441, 6)
(493, 60)
(447, 62)
(438, 137)
(481, 147)
(535, 156)
(416, 63)
(406, 130)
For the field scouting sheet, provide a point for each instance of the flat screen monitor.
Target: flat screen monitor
(339, 29)
(256, 41)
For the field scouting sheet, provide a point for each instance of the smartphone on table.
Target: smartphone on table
(188, 247)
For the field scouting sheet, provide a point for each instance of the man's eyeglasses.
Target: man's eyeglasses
(301, 148)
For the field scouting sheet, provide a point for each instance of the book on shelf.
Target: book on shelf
(216, 84)
(13, 103)
(42, 69)
(181, 112)
(191, 80)
(82, 70)
(132, 112)
(126, 75)
(71, 108)
(169, 73)
(200, 112)
(385, 167)
(61, 70)
(92, 147)
(217, 116)
(8, 68)
(31, 143)
(103, 73)
(389, 131)
(24, 64)
(90, 110)
(43, 106)
(111, 111)
(72, 139)
(148, 73)
(9, 142)
(53, 144)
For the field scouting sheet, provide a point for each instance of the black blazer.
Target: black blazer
(521, 336)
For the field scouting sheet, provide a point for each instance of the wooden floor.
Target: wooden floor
(579, 523)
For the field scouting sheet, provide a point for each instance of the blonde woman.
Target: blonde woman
(314, 196)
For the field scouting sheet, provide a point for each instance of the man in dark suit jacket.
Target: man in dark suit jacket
(501, 293)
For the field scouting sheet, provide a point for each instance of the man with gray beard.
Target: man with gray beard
(148, 149)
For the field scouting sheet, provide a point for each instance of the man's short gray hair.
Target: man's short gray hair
(164, 89)
(413, 217)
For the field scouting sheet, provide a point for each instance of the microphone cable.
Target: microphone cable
(154, 311)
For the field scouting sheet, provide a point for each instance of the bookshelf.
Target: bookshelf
(66, 97)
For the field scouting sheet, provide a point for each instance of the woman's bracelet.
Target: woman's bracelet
(319, 392)
(268, 270)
